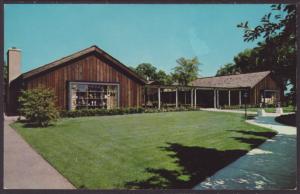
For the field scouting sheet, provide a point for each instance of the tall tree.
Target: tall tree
(146, 70)
(278, 51)
(149, 72)
(281, 22)
(132, 68)
(228, 69)
(186, 70)
(163, 78)
(251, 60)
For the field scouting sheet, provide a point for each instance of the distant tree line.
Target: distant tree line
(277, 51)
(186, 71)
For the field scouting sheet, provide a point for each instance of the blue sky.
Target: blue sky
(157, 34)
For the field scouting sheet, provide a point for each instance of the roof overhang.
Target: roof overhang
(193, 87)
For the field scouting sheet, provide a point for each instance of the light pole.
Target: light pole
(245, 97)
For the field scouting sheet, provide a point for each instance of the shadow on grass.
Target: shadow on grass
(253, 142)
(28, 124)
(260, 137)
(196, 164)
(256, 133)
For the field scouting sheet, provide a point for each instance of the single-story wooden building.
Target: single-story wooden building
(91, 78)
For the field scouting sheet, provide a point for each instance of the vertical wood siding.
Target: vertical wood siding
(89, 68)
(266, 84)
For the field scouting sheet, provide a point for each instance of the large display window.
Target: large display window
(93, 95)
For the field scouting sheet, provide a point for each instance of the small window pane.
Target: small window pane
(93, 95)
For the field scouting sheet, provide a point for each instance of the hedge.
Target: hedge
(118, 111)
(243, 106)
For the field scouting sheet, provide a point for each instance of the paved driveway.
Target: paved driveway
(270, 166)
(26, 169)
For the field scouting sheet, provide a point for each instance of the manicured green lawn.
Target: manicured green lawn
(154, 150)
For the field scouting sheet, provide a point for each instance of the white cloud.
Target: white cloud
(198, 45)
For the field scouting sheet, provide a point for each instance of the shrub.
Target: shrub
(37, 106)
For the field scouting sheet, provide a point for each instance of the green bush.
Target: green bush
(117, 111)
(38, 107)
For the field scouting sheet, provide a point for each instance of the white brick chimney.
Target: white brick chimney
(14, 63)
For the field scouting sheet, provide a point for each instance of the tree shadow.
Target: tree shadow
(254, 141)
(196, 164)
(268, 134)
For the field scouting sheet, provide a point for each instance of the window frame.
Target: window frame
(69, 96)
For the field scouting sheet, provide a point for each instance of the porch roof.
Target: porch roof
(247, 80)
(240, 81)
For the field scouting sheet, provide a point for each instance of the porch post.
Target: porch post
(278, 98)
(218, 99)
(215, 99)
(158, 98)
(228, 97)
(176, 97)
(264, 98)
(195, 98)
(145, 92)
(255, 96)
(240, 98)
(192, 98)
(184, 97)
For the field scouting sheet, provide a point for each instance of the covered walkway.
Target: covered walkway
(162, 96)
(256, 88)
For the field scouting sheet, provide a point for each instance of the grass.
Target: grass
(141, 151)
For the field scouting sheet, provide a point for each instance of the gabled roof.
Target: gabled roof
(231, 81)
(78, 54)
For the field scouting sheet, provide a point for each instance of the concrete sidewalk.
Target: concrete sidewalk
(227, 110)
(273, 165)
(26, 169)
(267, 114)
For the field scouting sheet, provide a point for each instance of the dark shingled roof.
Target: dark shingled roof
(231, 81)
(78, 54)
